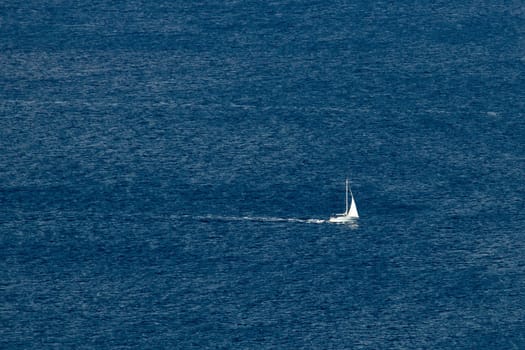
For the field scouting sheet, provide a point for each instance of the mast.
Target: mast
(346, 199)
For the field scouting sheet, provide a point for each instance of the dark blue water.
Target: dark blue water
(166, 167)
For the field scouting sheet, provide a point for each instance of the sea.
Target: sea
(168, 168)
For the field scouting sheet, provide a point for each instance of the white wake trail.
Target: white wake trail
(254, 219)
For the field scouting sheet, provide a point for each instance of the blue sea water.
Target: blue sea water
(166, 168)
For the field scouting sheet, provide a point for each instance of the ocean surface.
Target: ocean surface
(167, 169)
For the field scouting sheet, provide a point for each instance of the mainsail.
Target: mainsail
(352, 212)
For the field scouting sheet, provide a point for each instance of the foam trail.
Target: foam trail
(253, 218)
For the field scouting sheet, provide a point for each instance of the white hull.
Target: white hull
(343, 218)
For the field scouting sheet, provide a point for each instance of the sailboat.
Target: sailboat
(350, 213)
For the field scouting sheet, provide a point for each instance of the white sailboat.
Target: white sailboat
(350, 213)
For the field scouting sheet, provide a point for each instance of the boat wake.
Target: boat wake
(255, 219)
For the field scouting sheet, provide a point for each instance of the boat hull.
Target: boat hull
(342, 219)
